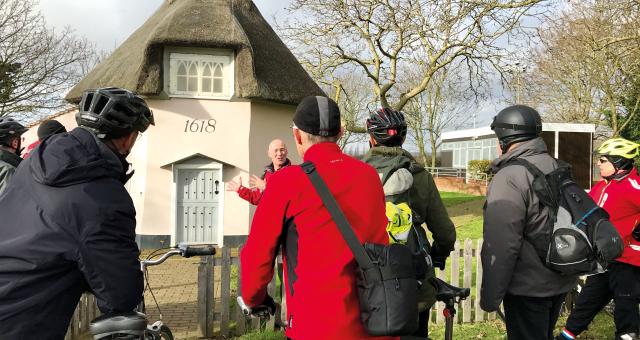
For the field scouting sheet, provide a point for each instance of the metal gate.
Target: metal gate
(197, 206)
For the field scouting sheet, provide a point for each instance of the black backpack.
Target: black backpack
(401, 170)
(579, 239)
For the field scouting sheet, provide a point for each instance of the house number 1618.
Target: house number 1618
(198, 125)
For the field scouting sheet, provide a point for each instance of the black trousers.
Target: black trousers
(531, 318)
(621, 282)
(423, 324)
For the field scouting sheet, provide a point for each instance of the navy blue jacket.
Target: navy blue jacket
(67, 225)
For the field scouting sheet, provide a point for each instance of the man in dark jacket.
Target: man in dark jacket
(514, 273)
(47, 128)
(387, 131)
(10, 149)
(68, 224)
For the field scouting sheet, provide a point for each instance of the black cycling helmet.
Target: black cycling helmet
(113, 112)
(10, 128)
(387, 127)
(516, 123)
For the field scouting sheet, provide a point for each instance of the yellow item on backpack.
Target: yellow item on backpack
(399, 222)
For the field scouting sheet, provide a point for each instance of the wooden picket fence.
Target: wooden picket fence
(86, 311)
(222, 311)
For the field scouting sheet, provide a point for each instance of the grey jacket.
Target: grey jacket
(8, 163)
(512, 214)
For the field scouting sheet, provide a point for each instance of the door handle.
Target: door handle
(217, 183)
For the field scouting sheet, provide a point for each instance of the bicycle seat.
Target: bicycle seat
(132, 323)
(445, 291)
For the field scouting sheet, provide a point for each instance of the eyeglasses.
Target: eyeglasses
(603, 160)
(293, 126)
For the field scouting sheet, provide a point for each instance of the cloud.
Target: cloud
(109, 23)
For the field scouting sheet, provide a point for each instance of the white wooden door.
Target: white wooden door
(198, 202)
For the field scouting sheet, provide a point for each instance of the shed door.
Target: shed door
(198, 195)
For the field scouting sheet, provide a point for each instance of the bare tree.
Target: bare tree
(37, 64)
(588, 60)
(356, 102)
(382, 37)
(446, 104)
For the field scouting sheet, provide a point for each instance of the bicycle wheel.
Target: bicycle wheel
(164, 333)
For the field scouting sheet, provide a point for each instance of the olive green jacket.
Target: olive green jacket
(8, 164)
(425, 202)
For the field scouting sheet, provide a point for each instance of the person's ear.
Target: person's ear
(341, 132)
(131, 139)
(297, 136)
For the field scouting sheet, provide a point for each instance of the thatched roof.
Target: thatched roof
(264, 67)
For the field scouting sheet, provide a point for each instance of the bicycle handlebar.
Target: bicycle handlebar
(196, 250)
(183, 250)
(257, 311)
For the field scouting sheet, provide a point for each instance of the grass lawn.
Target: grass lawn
(602, 328)
(454, 198)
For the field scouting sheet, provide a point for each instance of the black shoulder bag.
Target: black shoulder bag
(386, 279)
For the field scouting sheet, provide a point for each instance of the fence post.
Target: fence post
(466, 281)
(440, 305)
(205, 295)
(240, 319)
(479, 312)
(225, 292)
(455, 269)
(271, 290)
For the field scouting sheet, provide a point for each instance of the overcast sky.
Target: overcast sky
(109, 23)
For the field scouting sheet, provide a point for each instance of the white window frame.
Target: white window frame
(175, 57)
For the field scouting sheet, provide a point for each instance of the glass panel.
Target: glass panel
(193, 84)
(207, 70)
(486, 153)
(218, 70)
(206, 85)
(217, 85)
(193, 70)
(182, 83)
(182, 70)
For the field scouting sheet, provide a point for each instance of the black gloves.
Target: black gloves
(439, 261)
(270, 304)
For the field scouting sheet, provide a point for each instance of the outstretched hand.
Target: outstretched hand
(233, 185)
(257, 182)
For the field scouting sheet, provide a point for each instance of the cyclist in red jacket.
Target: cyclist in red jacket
(619, 194)
(320, 270)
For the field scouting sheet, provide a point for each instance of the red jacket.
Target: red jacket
(253, 195)
(621, 199)
(30, 148)
(319, 272)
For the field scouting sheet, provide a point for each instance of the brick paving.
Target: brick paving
(174, 284)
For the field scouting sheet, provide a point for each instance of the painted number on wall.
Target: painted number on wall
(197, 125)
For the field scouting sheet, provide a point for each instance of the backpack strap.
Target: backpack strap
(337, 215)
(547, 197)
(540, 184)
